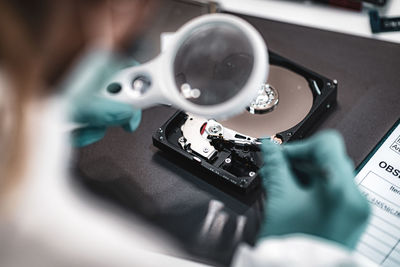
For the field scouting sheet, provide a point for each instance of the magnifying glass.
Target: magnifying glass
(213, 67)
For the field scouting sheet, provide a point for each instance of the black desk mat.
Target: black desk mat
(128, 170)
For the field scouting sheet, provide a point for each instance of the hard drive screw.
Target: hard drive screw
(205, 150)
(228, 160)
(251, 174)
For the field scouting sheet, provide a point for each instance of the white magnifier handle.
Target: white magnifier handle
(136, 86)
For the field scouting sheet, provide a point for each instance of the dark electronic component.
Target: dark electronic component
(217, 152)
(383, 24)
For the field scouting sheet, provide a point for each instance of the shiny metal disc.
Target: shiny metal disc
(266, 100)
(295, 102)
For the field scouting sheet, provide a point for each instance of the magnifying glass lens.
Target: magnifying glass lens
(213, 64)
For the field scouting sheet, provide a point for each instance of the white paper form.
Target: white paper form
(379, 181)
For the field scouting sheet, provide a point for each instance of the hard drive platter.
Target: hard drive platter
(295, 100)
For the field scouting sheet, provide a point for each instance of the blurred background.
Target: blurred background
(345, 16)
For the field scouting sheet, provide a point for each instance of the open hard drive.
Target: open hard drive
(286, 108)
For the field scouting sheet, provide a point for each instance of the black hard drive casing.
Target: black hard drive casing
(238, 181)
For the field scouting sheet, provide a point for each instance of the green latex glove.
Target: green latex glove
(88, 108)
(310, 189)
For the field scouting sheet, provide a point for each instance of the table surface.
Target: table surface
(129, 171)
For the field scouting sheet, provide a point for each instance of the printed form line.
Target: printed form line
(390, 253)
(393, 249)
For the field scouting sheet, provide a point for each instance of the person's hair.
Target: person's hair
(36, 48)
(20, 26)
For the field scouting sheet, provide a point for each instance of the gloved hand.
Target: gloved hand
(310, 189)
(88, 108)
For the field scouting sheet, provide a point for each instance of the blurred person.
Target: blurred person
(53, 57)
(44, 222)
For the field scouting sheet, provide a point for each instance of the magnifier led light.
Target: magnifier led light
(213, 67)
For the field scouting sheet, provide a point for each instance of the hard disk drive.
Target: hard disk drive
(227, 152)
